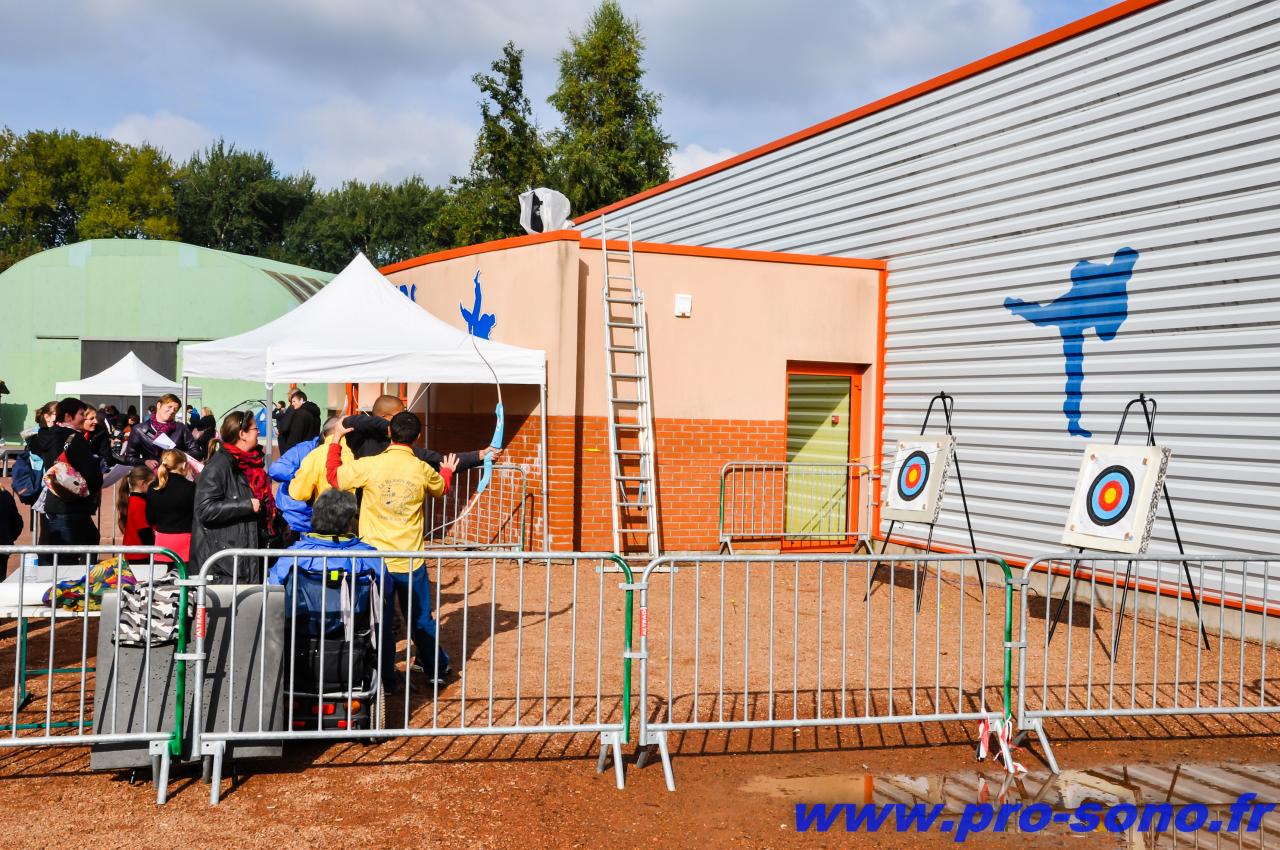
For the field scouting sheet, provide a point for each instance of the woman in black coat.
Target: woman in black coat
(172, 434)
(234, 507)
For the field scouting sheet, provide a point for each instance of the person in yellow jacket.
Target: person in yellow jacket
(392, 518)
(311, 479)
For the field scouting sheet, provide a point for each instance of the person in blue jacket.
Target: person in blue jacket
(332, 548)
(296, 513)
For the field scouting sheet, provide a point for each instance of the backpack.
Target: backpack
(149, 617)
(26, 478)
(65, 480)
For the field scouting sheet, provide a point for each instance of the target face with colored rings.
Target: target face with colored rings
(1110, 495)
(913, 475)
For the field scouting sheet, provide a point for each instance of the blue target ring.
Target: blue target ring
(913, 475)
(1110, 496)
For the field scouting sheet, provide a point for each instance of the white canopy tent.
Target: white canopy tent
(128, 377)
(361, 328)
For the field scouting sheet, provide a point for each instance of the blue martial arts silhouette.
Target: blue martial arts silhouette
(1098, 300)
(478, 323)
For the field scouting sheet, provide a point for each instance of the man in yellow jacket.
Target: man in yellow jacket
(311, 479)
(392, 518)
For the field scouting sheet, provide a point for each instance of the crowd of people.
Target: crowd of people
(197, 490)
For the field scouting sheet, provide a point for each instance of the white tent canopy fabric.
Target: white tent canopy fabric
(361, 328)
(128, 377)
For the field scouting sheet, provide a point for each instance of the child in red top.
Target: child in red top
(131, 511)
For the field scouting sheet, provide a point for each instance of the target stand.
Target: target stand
(1112, 495)
(918, 484)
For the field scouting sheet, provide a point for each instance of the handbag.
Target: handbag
(65, 480)
(156, 605)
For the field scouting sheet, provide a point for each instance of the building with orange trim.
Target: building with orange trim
(1130, 150)
(773, 345)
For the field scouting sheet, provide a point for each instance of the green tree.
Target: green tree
(509, 158)
(60, 187)
(609, 145)
(386, 222)
(236, 200)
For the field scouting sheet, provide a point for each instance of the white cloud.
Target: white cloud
(693, 156)
(348, 139)
(177, 135)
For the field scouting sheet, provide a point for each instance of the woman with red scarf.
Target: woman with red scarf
(234, 506)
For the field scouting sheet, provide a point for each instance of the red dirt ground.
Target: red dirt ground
(824, 645)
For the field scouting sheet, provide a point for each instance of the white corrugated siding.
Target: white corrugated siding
(1158, 132)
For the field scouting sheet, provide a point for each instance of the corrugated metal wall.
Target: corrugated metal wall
(1156, 132)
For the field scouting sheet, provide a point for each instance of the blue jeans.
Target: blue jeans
(68, 530)
(421, 620)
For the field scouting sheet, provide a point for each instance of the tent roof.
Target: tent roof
(129, 376)
(360, 327)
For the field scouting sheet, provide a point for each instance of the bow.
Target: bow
(496, 442)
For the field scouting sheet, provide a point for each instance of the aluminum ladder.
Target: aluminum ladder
(631, 445)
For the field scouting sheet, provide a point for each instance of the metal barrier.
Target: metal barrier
(531, 637)
(493, 520)
(115, 681)
(1199, 650)
(762, 642)
(795, 503)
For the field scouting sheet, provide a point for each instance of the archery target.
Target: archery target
(919, 479)
(1117, 492)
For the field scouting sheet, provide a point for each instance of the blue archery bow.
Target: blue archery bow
(496, 442)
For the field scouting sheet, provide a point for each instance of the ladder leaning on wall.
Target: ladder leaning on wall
(631, 444)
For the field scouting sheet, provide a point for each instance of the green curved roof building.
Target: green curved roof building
(70, 312)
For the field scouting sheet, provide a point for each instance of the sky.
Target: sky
(381, 89)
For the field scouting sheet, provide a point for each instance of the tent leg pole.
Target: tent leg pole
(185, 417)
(546, 468)
(270, 422)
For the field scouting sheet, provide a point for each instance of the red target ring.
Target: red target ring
(1110, 496)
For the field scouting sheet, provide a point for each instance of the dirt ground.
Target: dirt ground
(409, 796)
(542, 643)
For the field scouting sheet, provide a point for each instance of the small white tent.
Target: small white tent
(361, 328)
(128, 377)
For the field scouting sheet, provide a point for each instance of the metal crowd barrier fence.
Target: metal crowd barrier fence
(784, 642)
(136, 680)
(299, 646)
(1198, 649)
(795, 503)
(493, 520)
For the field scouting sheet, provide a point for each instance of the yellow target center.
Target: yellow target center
(913, 475)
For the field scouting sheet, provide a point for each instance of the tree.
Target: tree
(509, 158)
(59, 187)
(609, 146)
(236, 200)
(388, 223)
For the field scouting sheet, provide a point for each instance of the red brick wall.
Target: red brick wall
(690, 452)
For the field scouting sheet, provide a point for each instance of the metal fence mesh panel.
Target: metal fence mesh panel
(1130, 643)
(759, 642)
(535, 643)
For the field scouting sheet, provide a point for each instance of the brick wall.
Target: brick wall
(691, 453)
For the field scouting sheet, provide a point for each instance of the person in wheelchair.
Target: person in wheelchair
(334, 597)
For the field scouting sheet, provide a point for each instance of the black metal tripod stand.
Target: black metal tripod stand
(1148, 406)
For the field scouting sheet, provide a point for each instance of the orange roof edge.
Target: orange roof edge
(640, 247)
(1062, 33)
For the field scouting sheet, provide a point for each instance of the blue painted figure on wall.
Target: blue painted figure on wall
(1098, 300)
(409, 291)
(478, 323)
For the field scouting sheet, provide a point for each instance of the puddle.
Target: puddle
(1215, 785)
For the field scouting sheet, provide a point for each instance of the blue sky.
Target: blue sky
(381, 89)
